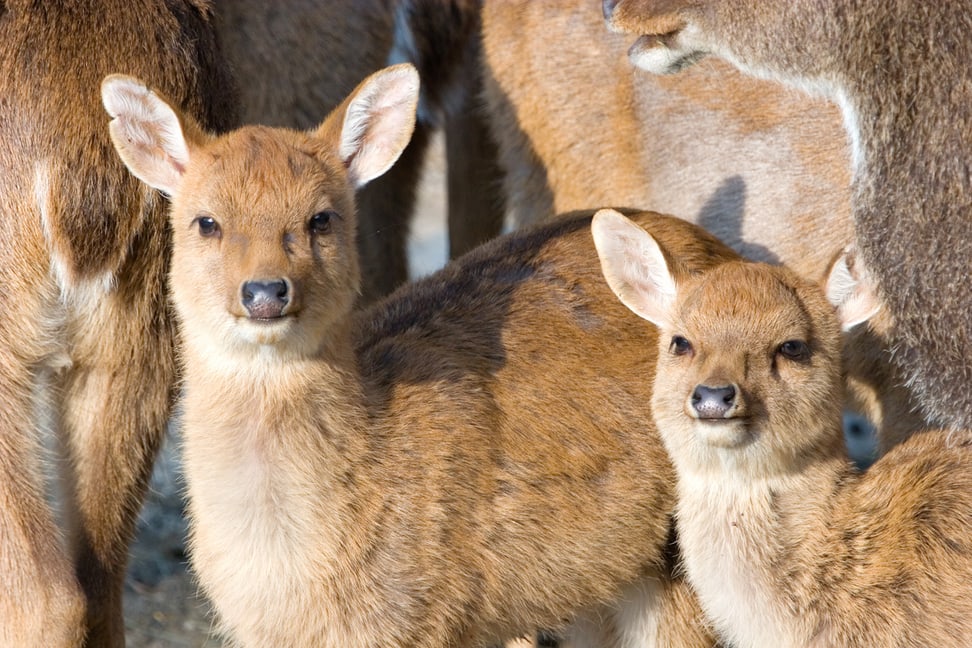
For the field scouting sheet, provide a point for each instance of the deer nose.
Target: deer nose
(713, 402)
(607, 8)
(265, 299)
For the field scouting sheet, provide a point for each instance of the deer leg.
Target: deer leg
(117, 400)
(385, 208)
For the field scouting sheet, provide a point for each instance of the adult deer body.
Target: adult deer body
(900, 73)
(84, 334)
(785, 542)
(428, 472)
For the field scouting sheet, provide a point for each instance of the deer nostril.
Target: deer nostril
(713, 402)
(265, 299)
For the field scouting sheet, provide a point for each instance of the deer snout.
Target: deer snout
(265, 299)
(708, 402)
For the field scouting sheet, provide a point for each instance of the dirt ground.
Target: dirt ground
(162, 606)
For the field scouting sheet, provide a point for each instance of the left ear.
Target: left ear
(850, 290)
(378, 120)
(147, 132)
(634, 266)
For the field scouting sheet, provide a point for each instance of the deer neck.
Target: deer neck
(747, 543)
(270, 450)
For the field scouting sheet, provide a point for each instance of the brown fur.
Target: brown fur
(297, 59)
(85, 336)
(761, 166)
(466, 461)
(785, 542)
(900, 71)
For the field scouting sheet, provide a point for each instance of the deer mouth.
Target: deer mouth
(269, 319)
(732, 432)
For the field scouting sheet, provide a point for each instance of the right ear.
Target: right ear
(850, 290)
(375, 123)
(634, 266)
(146, 132)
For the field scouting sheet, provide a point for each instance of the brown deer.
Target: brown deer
(900, 73)
(86, 343)
(442, 469)
(297, 59)
(786, 543)
(763, 167)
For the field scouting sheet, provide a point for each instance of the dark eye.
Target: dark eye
(207, 225)
(320, 223)
(680, 346)
(795, 350)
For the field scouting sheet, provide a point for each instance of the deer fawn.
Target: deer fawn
(85, 340)
(900, 73)
(283, 82)
(784, 541)
(443, 469)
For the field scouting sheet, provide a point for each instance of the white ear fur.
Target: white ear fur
(850, 290)
(379, 121)
(146, 132)
(634, 266)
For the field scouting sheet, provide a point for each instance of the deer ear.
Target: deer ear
(634, 266)
(851, 291)
(146, 132)
(378, 120)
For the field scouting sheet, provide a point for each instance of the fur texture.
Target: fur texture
(85, 332)
(784, 541)
(436, 470)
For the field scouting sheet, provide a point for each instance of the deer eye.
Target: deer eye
(795, 350)
(680, 346)
(208, 227)
(320, 223)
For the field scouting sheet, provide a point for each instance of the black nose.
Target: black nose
(607, 8)
(265, 299)
(713, 402)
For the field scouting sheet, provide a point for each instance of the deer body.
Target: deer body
(785, 542)
(419, 473)
(899, 72)
(83, 327)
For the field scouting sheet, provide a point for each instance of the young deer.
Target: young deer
(86, 346)
(436, 471)
(784, 541)
(899, 71)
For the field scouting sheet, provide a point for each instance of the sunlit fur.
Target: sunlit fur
(784, 541)
(468, 461)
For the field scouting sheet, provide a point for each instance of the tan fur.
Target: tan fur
(763, 167)
(299, 59)
(85, 337)
(467, 461)
(909, 122)
(784, 541)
